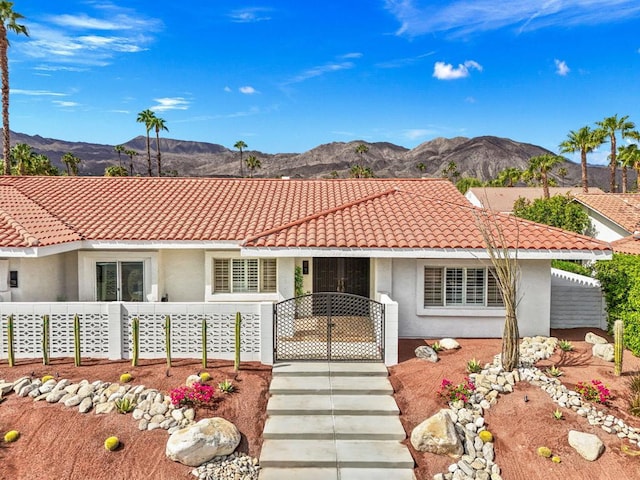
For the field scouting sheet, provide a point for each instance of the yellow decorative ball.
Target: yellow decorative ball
(205, 377)
(46, 378)
(555, 459)
(111, 443)
(126, 378)
(544, 452)
(486, 436)
(11, 436)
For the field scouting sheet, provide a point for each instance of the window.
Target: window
(444, 286)
(239, 275)
(119, 281)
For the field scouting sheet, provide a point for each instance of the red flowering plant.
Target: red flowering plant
(195, 395)
(452, 393)
(596, 391)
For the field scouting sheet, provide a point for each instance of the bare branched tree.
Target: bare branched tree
(507, 273)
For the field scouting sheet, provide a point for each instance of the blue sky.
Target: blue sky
(288, 75)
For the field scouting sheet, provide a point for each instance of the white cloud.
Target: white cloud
(64, 104)
(417, 133)
(248, 90)
(446, 71)
(351, 55)
(250, 15)
(37, 93)
(319, 70)
(470, 100)
(227, 89)
(403, 62)
(463, 17)
(562, 68)
(170, 103)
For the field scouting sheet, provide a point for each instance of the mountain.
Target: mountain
(480, 157)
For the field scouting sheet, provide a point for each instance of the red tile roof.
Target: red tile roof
(501, 199)
(621, 208)
(629, 245)
(366, 213)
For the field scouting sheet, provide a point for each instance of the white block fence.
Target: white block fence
(105, 329)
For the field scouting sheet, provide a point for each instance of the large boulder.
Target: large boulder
(603, 351)
(425, 352)
(592, 338)
(437, 434)
(589, 446)
(200, 442)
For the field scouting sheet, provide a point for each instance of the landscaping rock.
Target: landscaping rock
(449, 344)
(603, 351)
(594, 339)
(589, 446)
(202, 441)
(437, 434)
(425, 352)
(191, 379)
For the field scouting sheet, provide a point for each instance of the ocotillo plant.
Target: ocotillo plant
(618, 346)
(10, 354)
(45, 339)
(135, 333)
(76, 340)
(167, 338)
(236, 363)
(204, 343)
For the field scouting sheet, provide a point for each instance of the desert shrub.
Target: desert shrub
(124, 405)
(486, 436)
(452, 393)
(226, 386)
(565, 345)
(111, 443)
(126, 377)
(557, 414)
(436, 347)
(204, 376)
(196, 394)
(634, 383)
(473, 366)
(544, 452)
(11, 436)
(634, 404)
(595, 391)
(554, 371)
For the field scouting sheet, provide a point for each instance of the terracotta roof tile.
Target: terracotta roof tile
(621, 208)
(501, 199)
(359, 213)
(629, 245)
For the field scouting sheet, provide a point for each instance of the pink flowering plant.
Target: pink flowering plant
(596, 391)
(452, 393)
(195, 395)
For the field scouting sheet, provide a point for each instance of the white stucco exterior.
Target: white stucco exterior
(603, 228)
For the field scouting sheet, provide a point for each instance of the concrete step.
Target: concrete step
(316, 369)
(344, 427)
(336, 474)
(330, 385)
(369, 454)
(332, 404)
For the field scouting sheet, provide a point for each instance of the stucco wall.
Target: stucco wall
(533, 309)
(46, 279)
(603, 228)
(181, 275)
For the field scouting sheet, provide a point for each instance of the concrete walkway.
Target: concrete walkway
(333, 421)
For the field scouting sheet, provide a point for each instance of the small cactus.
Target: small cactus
(135, 333)
(126, 377)
(10, 355)
(45, 339)
(77, 359)
(204, 376)
(544, 452)
(618, 346)
(204, 343)
(556, 459)
(46, 378)
(11, 436)
(486, 436)
(236, 363)
(111, 443)
(167, 339)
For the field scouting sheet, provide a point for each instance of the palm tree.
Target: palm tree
(562, 173)
(584, 141)
(131, 154)
(540, 167)
(158, 124)
(358, 171)
(21, 155)
(509, 177)
(71, 162)
(421, 166)
(253, 163)
(8, 22)
(629, 156)
(240, 145)
(115, 171)
(361, 150)
(451, 172)
(146, 117)
(119, 149)
(609, 127)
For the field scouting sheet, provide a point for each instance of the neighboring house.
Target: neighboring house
(206, 246)
(613, 215)
(501, 199)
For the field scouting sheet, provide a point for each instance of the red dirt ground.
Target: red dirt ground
(59, 443)
(520, 428)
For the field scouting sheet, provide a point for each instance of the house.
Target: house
(613, 215)
(402, 258)
(501, 199)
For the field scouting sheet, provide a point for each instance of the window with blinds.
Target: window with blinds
(455, 286)
(494, 295)
(460, 287)
(433, 286)
(240, 275)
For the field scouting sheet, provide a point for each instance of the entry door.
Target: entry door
(345, 275)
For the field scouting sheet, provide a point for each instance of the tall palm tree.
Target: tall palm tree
(253, 163)
(71, 162)
(361, 150)
(21, 155)
(562, 173)
(240, 145)
(8, 22)
(540, 167)
(584, 141)
(629, 157)
(158, 124)
(131, 154)
(119, 149)
(146, 117)
(610, 126)
(509, 177)
(421, 166)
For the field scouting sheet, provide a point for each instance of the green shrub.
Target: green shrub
(111, 443)
(634, 404)
(226, 386)
(558, 211)
(436, 347)
(124, 405)
(634, 383)
(11, 436)
(473, 366)
(572, 267)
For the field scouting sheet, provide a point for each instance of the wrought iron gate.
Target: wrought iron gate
(330, 327)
